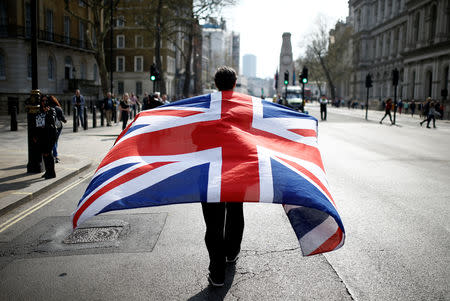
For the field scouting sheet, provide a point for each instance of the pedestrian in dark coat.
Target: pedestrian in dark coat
(412, 106)
(425, 110)
(60, 119)
(125, 109)
(45, 135)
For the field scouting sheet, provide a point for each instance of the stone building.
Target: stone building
(65, 60)
(286, 64)
(410, 35)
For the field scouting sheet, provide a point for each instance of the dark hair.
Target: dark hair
(225, 78)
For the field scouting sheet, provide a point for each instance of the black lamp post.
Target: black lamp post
(32, 105)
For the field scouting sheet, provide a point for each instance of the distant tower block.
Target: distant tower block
(286, 62)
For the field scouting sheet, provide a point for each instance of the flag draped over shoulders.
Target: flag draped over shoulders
(220, 147)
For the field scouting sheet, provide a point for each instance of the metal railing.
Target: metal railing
(16, 31)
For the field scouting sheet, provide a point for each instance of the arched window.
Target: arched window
(68, 68)
(433, 15)
(51, 68)
(83, 70)
(2, 65)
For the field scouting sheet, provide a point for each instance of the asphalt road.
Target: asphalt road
(390, 184)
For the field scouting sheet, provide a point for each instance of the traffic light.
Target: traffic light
(153, 72)
(304, 75)
(395, 76)
(286, 77)
(368, 81)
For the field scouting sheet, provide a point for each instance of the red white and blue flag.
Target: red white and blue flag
(220, 147)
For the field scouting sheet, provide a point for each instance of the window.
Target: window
(138, 20)
(121, 41)
(81, 3)
(83, 70)
(120, 63)
(138, 62)
(29, 68)
(120, 21)
(120, 88)
(49, 24)
(68, 71)
(2, 66)
(433, 23)
(94, 38)
(82, 30)
(67, 29)
(138, 88)
(51, 68)
(416, 27)
(139, 41)
(95, 72)
(3, 19)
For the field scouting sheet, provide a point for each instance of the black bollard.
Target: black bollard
(102, 117)
(94, 117)
(13, 118)
(85, 118)
(75, 120)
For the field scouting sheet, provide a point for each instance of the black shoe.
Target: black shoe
(428, 127)
(44, 175)
(215, 282)
(56, 160)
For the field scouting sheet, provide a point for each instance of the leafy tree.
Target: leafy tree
(99, 25)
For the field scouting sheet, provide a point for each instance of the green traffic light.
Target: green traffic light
(286, 82)
(152, 78)
(305, 80)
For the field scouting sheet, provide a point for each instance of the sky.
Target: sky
(261, 24)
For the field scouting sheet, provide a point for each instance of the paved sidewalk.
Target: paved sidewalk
(17, 186)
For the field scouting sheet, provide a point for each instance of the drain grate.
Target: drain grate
(93, 235)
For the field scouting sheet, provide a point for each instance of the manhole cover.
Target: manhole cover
(93, 235)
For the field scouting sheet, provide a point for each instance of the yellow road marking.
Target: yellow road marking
(13, 220)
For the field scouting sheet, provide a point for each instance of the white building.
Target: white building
(249, 65)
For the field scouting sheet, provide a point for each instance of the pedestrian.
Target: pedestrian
(400, 106)
(412, 107)
(60, 119)
(154, 102)
(78, 102)
(432, 114)
(224, 221)
(426, 110)
(145, 102)
(45, 135)
(108, 106)
(388, 108)
(323, 107)
(125, 109)
(406, 107)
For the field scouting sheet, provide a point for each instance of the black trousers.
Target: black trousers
(224, 229)
(323, 111)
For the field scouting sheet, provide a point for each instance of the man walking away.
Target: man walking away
(224, 221)
(323, 107)
(78, 102)
(426, 110)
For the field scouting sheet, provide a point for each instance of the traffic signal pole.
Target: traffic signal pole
(368, 86)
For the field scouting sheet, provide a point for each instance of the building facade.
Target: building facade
(65, 60)
(286, 64)
(410, 35)
(220, 47)
(249, 65)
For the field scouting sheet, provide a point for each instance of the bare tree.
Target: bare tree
(99, 25)
(329, 56)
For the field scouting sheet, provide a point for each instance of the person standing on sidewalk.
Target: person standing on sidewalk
(388, 108)
(412, 107)
(323, 107)
(60, 118)
(45, 135)
(224, 221)
(78, 102)
(124, 108)
(107, 106)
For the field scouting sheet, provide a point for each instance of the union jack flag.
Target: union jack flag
(220, 147)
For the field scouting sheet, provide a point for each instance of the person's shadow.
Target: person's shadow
(217, 293)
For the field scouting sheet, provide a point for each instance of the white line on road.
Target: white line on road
(40, 204)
